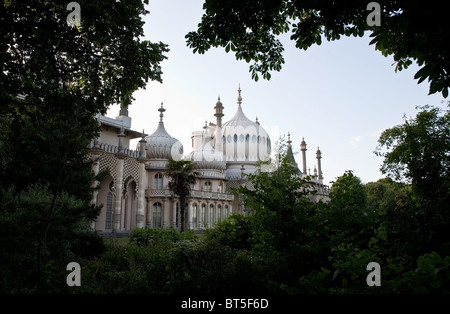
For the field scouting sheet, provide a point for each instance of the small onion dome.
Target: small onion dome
(160, 145)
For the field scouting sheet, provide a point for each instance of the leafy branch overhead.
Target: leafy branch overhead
(410, 31)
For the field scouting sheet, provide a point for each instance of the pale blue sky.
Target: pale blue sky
(338, 96)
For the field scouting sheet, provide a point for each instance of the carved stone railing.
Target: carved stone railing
(194, 194)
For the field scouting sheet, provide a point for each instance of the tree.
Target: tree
(409, 31)
(418, 152)
(182, 175)
(348, 219)
(286, 239)
(55, 77)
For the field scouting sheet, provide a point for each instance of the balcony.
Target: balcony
(196, 194)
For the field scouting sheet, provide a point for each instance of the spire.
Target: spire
(142, 143)
(257, 122)
(161, 114)
(239, 99)
(289, 140)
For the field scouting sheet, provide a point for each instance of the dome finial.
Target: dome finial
(161, 110)
(239, 99)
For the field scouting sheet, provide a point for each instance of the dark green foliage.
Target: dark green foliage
(286, 238)
(31, 263)
(54, 79)
(418, 152)
(167, 261)
(410, 31)
(235, 232)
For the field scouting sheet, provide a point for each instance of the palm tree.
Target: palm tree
(182, 174)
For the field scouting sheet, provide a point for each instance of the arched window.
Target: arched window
(227, 211)
(203, 215)
(194, 216)
(211, 215)
(207, 186)
(235, 138)
(109, 210)
(156, 215)
(158, 182)
(219, 213)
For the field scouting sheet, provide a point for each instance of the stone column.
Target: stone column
(190, 215)
(95, 169)
(149, 213)
(174, 214)
(207, 215)
(140, 214)
(119, 192)
(164, 215)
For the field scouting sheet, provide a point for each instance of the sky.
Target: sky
(338, 96)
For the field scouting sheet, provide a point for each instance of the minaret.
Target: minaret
(319, 165)
(219, 113)
(303, 149)
(218, 132)
(142, 143)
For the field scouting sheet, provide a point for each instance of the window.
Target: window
(158, 182)
(194, 216)
(227, 211)
(203, 215)
(109, 210)
(207, 186)
(220, 188)
(235, 138)
(211, 215)
(247, 138)
(219, 213)
(156, 215)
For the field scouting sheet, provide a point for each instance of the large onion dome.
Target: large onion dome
(244, 140)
